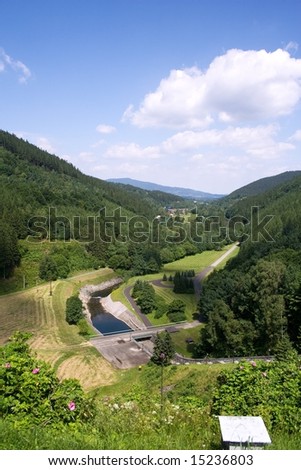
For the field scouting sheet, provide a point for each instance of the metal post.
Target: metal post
(162, 357)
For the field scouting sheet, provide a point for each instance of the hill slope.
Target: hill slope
(185, 193)
(31, 180)
(45, 197)
(254, 306)
(261, 185)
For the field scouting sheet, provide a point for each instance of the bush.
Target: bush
(30, 392)
(74, 310)
(271, 390)
(83, 327)
(144, 293)
(176, 311)
(48, 269)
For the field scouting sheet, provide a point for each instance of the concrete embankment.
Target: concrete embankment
(86, 292)
(122, 313)
(117, 309)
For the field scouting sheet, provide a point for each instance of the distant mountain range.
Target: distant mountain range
(185, 193)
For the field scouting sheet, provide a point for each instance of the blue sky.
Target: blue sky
(203, 94)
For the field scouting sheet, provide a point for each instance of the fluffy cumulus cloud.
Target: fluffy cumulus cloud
(259, 141)
(219, 128)
(237, 86)
(7, 62)
(105, 129)
(132, 151)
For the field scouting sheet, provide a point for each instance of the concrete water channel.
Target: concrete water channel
(124, 339)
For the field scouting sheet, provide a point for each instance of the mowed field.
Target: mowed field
(53, 340)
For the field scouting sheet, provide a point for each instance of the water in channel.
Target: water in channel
(104, 321)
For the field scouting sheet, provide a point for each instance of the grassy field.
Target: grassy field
(168, 296)
(197, 262)
(43, 315)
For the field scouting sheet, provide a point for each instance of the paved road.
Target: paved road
(201, 275)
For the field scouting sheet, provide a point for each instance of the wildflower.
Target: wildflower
(36, 370)
(115, 406)
(71, 406)
(128, 405)
(7, 365)
(264, 374)
(241, 367)
(253, 363)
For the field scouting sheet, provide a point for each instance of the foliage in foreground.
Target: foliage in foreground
(258, 388)
(30, 392)
(39, 412)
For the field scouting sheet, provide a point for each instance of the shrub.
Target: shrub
(271, 390)
(74, 310)
(176, 311)
(83, 327)
(30, 392)
(144, 293)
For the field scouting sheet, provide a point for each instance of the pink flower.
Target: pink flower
(36, 370)
(253, 363)
(71, 406)
(7, 365)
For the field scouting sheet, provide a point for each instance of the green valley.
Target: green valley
(61, 230)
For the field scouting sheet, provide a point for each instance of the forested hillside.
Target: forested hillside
(254, 305)
(45, 197)
(261, 186)
(47, 201)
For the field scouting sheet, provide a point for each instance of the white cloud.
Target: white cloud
(239, 85)
(105, 129)
(38, 140)
(16, 65)
(100, 168)
(296, 136)
(197, 157)
(97, 144)
(87, 157)
(236, 151)
(131, 151)
(133, 169)
(44, 144)
(258, 141)
(177, 102)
